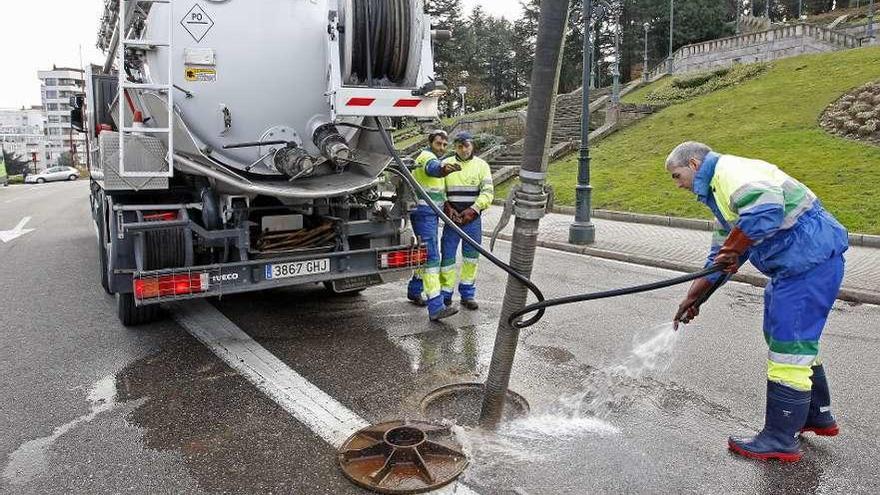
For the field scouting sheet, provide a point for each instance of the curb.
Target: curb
(861, 240)
(845, 294)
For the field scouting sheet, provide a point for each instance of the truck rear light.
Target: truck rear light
(403, 258)
(163, 216)
(170, 285)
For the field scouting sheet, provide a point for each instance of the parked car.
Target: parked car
(53, 174)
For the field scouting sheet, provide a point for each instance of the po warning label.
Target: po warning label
(200, 74)
(197, 23)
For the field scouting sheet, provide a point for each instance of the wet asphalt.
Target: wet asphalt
(88, 406)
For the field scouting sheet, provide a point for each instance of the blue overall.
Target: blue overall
(449, 245)
(798, 244)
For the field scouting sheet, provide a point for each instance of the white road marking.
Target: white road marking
(310, 405)
(18, 231)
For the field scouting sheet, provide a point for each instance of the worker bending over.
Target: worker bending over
(777, 223)
(468, 192)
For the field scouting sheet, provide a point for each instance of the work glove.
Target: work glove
(688, 309)
(736, 245)
(451, 212)
(448, 168)
(468, 216)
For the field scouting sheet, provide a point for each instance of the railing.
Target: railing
(819, 33)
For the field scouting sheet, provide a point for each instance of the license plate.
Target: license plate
(297, 269)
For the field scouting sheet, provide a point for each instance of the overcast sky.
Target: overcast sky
(39, 33)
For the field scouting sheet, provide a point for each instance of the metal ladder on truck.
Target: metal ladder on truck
(125, 85)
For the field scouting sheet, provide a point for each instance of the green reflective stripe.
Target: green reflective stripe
(447, 265)
(752, 192)
(790, 375)
(474, 189)
(798, 359)
(805, 347)
(765, 198)
(461, 199)
(432, 267)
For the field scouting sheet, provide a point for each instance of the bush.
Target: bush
(698, 80)
(683, 89)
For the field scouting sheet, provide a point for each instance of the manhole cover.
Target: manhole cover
(402, 457)
(462, 402)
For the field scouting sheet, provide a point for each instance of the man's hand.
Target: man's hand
(448, 168)
(688, 310)
(736, 244)
(468, 216)
(452, 213)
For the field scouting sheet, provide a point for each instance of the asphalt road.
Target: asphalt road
(619, 403)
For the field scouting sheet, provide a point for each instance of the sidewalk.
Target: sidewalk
(679, 249)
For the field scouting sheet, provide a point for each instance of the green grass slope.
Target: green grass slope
(773, 117)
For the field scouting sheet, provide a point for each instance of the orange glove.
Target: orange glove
(451, 212)
(736, 244)
(468, 216)
(687, 310)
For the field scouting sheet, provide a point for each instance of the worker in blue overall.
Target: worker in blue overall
(429, 172)
(469, 192)
(769, 218)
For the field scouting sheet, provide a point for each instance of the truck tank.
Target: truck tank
(232, 145)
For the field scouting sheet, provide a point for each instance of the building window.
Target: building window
(51, 94)
(51, 82)
(54, 119)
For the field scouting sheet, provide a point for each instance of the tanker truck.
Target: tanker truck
(233, 147)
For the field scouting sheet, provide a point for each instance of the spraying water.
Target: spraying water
(580, 415)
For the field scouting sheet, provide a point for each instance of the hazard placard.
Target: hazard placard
(197, 23)
(200, 74)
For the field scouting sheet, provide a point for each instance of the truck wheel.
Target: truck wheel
(101, 224)
(352, 292)
(164, 249)
(72, 177)
(132, 315)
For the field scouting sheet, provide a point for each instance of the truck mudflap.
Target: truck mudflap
(347, 269)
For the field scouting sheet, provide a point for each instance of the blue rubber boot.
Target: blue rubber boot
(414, 291)
(786, 414)
(819, 420)
(437, 310)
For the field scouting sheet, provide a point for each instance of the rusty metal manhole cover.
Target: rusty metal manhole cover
(460, 403)
(402, 457)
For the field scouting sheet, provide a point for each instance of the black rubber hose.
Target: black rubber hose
(541, 305)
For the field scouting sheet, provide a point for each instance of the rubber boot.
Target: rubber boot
(786, 414)
(446, 312)
(470, 304)
(819, 420)
(414, 291)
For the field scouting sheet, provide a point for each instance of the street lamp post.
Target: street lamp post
(615, 72)
(871, 21)
(582, 231)
(671, 25)
(645, 63)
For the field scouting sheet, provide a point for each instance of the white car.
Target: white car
(53, 174)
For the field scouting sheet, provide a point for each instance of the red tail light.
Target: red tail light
(403, 258)
(162, 216)
(170, 285)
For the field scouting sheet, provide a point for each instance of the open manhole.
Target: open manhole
(402, 457)
(461, 403)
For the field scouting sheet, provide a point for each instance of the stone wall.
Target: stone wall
(763, 46)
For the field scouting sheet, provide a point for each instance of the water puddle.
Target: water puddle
(31, 458)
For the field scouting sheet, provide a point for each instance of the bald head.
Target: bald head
(684, 161)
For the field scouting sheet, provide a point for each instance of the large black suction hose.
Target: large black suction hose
(408, 177)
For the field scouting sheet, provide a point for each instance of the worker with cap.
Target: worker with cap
(424, 287)
(767, 217)
(468, 192)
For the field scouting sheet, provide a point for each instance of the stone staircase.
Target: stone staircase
(566, 127)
